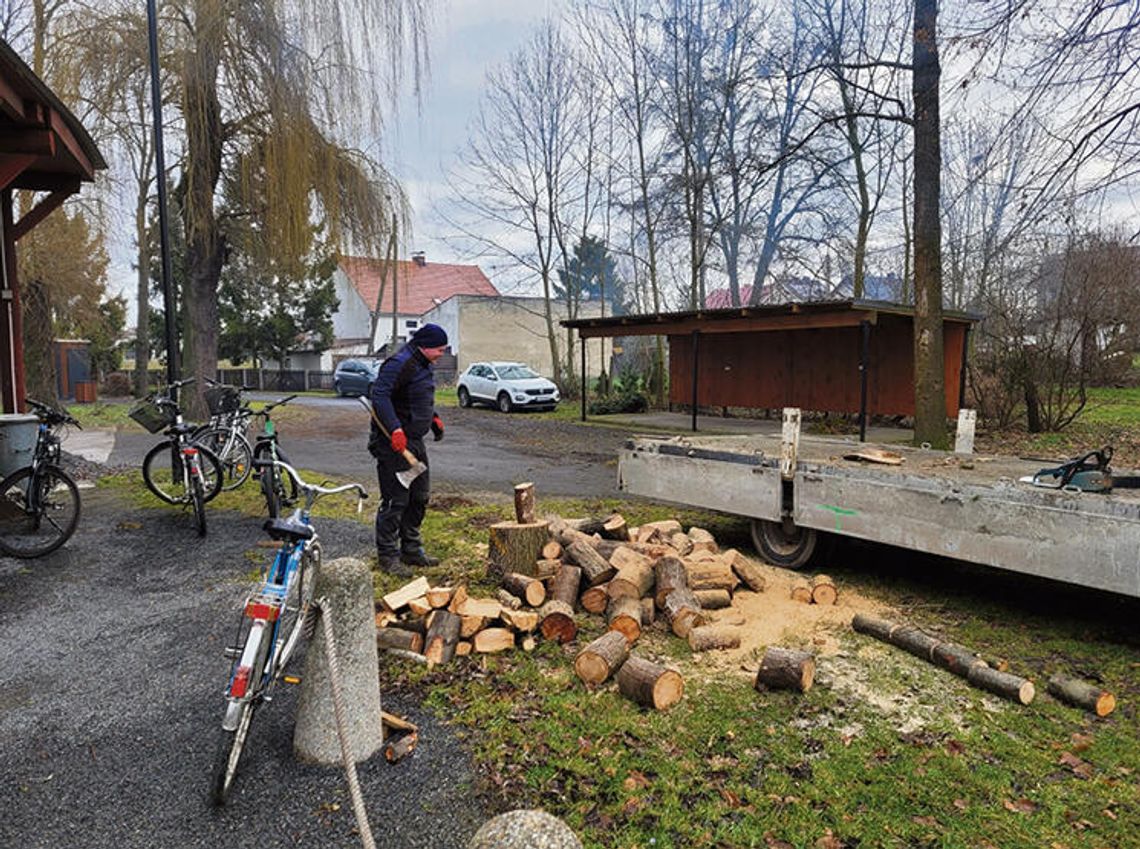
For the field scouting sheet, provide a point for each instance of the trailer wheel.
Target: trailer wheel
(783, 543)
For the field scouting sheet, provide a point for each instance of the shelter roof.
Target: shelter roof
(421, 285)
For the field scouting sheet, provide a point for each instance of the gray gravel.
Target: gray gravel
(111, 678)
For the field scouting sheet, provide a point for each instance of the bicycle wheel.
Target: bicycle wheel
(233, 452)
(198, 499)
(297, 618)
(164, 475)
(38, 512)
(228, 755)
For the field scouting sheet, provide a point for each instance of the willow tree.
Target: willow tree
(305, 85)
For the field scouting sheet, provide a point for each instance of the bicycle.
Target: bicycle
(39, 503)
(278, 492)
(274, 615)
(225, 433)
(177, 470)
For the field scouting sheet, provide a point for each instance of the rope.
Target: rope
(342, 724)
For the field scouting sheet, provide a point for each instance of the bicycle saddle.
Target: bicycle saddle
(287, 529)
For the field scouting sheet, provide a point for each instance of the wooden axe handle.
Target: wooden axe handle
(411, 458)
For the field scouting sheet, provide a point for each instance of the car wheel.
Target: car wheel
(464, 397)
(336, 386)
(505, 405)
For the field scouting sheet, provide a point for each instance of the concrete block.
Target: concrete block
(525, 829)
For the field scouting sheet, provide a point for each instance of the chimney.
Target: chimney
(419, 258)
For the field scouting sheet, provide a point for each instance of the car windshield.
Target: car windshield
(515, 372)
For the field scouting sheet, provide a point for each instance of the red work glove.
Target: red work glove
(437, 427)
(399, 440)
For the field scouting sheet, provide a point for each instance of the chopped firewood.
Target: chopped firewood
(595, 599)
(624, 556)
(713, 599)
(442, 635)
(710, 575)
(384, 618)
(491, 640)
(649, 684)
(589, 526)
(615, 528)
(516, 546)
(528, 642)
(439, 596)
(457, 598)
(595, 568)
(600, 658)
(419, 606)
(647, 533)
(702, 539)
(557, 621)
(683, 611)
(633, 581)
(823, 590)
(648, 611)
(508, 601)
(398, 638)
(669, 574)
(702, 555)
(666, 527)
(524, 503)
(747, 569)
(801, 593)
(399, 598)
(1082, 694)
(564, 534)
(469, 626)
(681, 542)
(415, 623)
(707, 637)
(486, 607)
(463, 648)
(544, 569)
(564, 585)
(397, 748)
(552, 550)
(624, 615)
(521, 620)
(785, 669)
(526, 588)
(395, 723)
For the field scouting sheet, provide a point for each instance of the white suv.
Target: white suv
(507, 386)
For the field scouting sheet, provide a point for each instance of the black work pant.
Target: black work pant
(402, 509)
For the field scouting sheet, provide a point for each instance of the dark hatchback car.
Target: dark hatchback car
(353, 376)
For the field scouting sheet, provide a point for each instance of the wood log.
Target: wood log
(647, 533)
(528, 642)
(491, 640)
(557, 621)
(439, 596)
(633, 581)
(552, 550)
(649, 684)
(710, 575)
(624, 615)
(523, 621)
(463, 648)
(595, 599)
(702, 555)
(873, 626)
(469, 626)
(801, 593)
(488, 608)
(398, 748)
(398, 638)
(564, 585)
(419, 606)
(524, 504)
(785, 669)
(595, 568)
(400, 597)
(412, 623)
(1082, 694)
(950, 656)
(442, 635)
(1003, 684)
(624, 556)
(713, 599)
(516, 546)
(544, 568)
(746, 569)
(681, 542)
(457, 598)
(917, 643)
(706, 637)
(669, 575)
(666, 527)
(525, 588)
(648, 612)
(614, 527)
(601, 658)
(590, 525)
(823, 590)
(683, 611)
(702, 540)
(508, 601)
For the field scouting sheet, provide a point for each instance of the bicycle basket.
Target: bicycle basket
(150, 415)
(222, 400)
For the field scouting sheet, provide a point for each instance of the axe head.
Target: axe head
(410, 474)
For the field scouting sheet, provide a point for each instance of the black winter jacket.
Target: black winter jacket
(403, 393)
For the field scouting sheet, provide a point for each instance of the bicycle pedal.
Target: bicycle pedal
(232, 652)
(291, 679)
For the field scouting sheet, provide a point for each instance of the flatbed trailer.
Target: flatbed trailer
(965, 506)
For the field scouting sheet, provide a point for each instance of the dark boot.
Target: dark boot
(393, 565)
(419, 558)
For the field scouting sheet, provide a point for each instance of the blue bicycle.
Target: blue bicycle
(273, 618)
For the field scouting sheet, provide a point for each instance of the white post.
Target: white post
(964, 441)
(790, 443)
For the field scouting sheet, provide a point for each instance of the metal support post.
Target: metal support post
(864, 362)
(696, 363)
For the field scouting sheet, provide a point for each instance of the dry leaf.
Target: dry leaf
(1080, 742)
(954, 747)
(772, 842)
(929, 822)
(635, 780)
(1021, 806)
(829, 841)
(1079, 767)
(961, 804)
(730, 798)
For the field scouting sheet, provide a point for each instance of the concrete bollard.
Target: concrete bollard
(347, 585)
(525, 829)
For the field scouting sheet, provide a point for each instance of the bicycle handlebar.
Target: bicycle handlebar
(264, 411)
(52, 415)
(311, 487)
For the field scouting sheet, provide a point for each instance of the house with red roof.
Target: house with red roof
(400, 292)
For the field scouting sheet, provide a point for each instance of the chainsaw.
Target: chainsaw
(1087, 473)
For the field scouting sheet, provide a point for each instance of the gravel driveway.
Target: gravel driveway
(111, 677)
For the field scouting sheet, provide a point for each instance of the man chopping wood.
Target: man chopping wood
(403, 400)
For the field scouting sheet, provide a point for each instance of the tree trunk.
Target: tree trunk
(929, 381)
(142, 297)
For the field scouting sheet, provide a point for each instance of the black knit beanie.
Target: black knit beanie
(430, 336)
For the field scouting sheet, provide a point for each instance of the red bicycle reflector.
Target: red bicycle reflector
(261, 610)
(241, 682)
(190, 452)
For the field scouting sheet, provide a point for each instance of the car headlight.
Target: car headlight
(519, 396)
(556, 396)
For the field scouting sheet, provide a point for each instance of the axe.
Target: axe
(416, 466)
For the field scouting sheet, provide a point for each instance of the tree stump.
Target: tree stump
(598, 660)
(649, 684)
(516, 547)
(823, 590)
(1082, 694)
(624, 614)
(524, 503)
(786, 669)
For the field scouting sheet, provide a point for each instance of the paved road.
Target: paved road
(111, 677)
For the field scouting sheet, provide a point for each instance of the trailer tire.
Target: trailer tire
(784, 544)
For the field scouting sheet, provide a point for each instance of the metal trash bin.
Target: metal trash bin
(17, 441)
